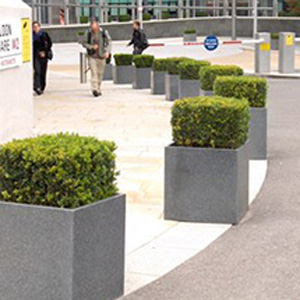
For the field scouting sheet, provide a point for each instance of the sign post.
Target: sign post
(211, 43)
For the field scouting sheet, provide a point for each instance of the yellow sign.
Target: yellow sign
(26, 40)
(265, 47)
(289, 40)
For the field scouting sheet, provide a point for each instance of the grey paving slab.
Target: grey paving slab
(258, 259)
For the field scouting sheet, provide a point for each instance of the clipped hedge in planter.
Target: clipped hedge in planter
(190, 31)
(160, 64)
(63, 170)
(173, 64)
(122, 59)
(214, 122)
(124, 18)
(143, 61)
(209, 74)
(147, 17)
(190, 69)
(253, 89)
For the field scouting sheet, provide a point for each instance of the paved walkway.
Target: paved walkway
(260, 258)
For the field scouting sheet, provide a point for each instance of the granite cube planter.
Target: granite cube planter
(60, 254)
(171, 87)
(108, 72)
(206, 185)
(189, 37)
(257, 145)
(275, 44)
(123, 74)
(189, 88)
(157, 83)
(141, 78)
(206, 93)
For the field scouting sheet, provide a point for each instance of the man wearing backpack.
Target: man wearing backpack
(98, 45)
(42, 52)
(139, 39)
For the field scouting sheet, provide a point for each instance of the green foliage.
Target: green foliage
(143, 61)
(173, 64)
(160, 64)
(147, 17)
(191, 69)
(275, 36)
(253, 89)
(211, 122)
(165, 15)
(63, 170)
(124, 18)
(84, 19)
(209, 74)
(190, 31)
(202, 14)
(122, 59)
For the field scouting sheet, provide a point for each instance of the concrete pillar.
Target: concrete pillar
(286, 52)
(263, 54)
(16, 87)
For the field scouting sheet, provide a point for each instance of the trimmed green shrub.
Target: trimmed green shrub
(147, 17)
(124, 18)
(173, 64)
(190, 31)
(275, 36)
(63, 170)
(190, 69)
(202, 14)
(143, 61)
(122, 59)
(161, 64)
(209, 74)
(84, 19)
(253, 89)
(165, 15)
(210, 122)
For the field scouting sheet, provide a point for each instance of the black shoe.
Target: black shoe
(96, 94)
(38, 92)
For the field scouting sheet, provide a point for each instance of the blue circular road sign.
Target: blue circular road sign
(211, 43)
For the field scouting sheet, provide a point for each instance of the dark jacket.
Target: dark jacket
(139, 39)
(41, 43)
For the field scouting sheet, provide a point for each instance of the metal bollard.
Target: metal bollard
(83, 67)
(287, 52)
(263, 53)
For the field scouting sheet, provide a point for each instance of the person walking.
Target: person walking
(139, 39)
(42, 52)
(98, 44)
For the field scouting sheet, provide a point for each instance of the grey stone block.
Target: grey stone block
(206, 185)
(141, 78)
(157, 83)
(189, 37)
(51, 253)
(206, 93)
(257, 145)
(123, 74)
(189, 88)
(108, 72)
(171, 87)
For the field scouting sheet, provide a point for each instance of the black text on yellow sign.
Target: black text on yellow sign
(26, 40)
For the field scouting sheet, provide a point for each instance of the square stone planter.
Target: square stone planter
(123, 74)
(206, 93)
(171, 87)
(157, 83)
(206, 185)
(257, 145)
(275, 44)
(60, 254)
(189, 88)
(141, 78)
(108, 72)
(190, 37)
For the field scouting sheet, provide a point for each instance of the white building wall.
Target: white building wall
(16, 95)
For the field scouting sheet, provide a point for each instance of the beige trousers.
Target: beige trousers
(97, 67)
